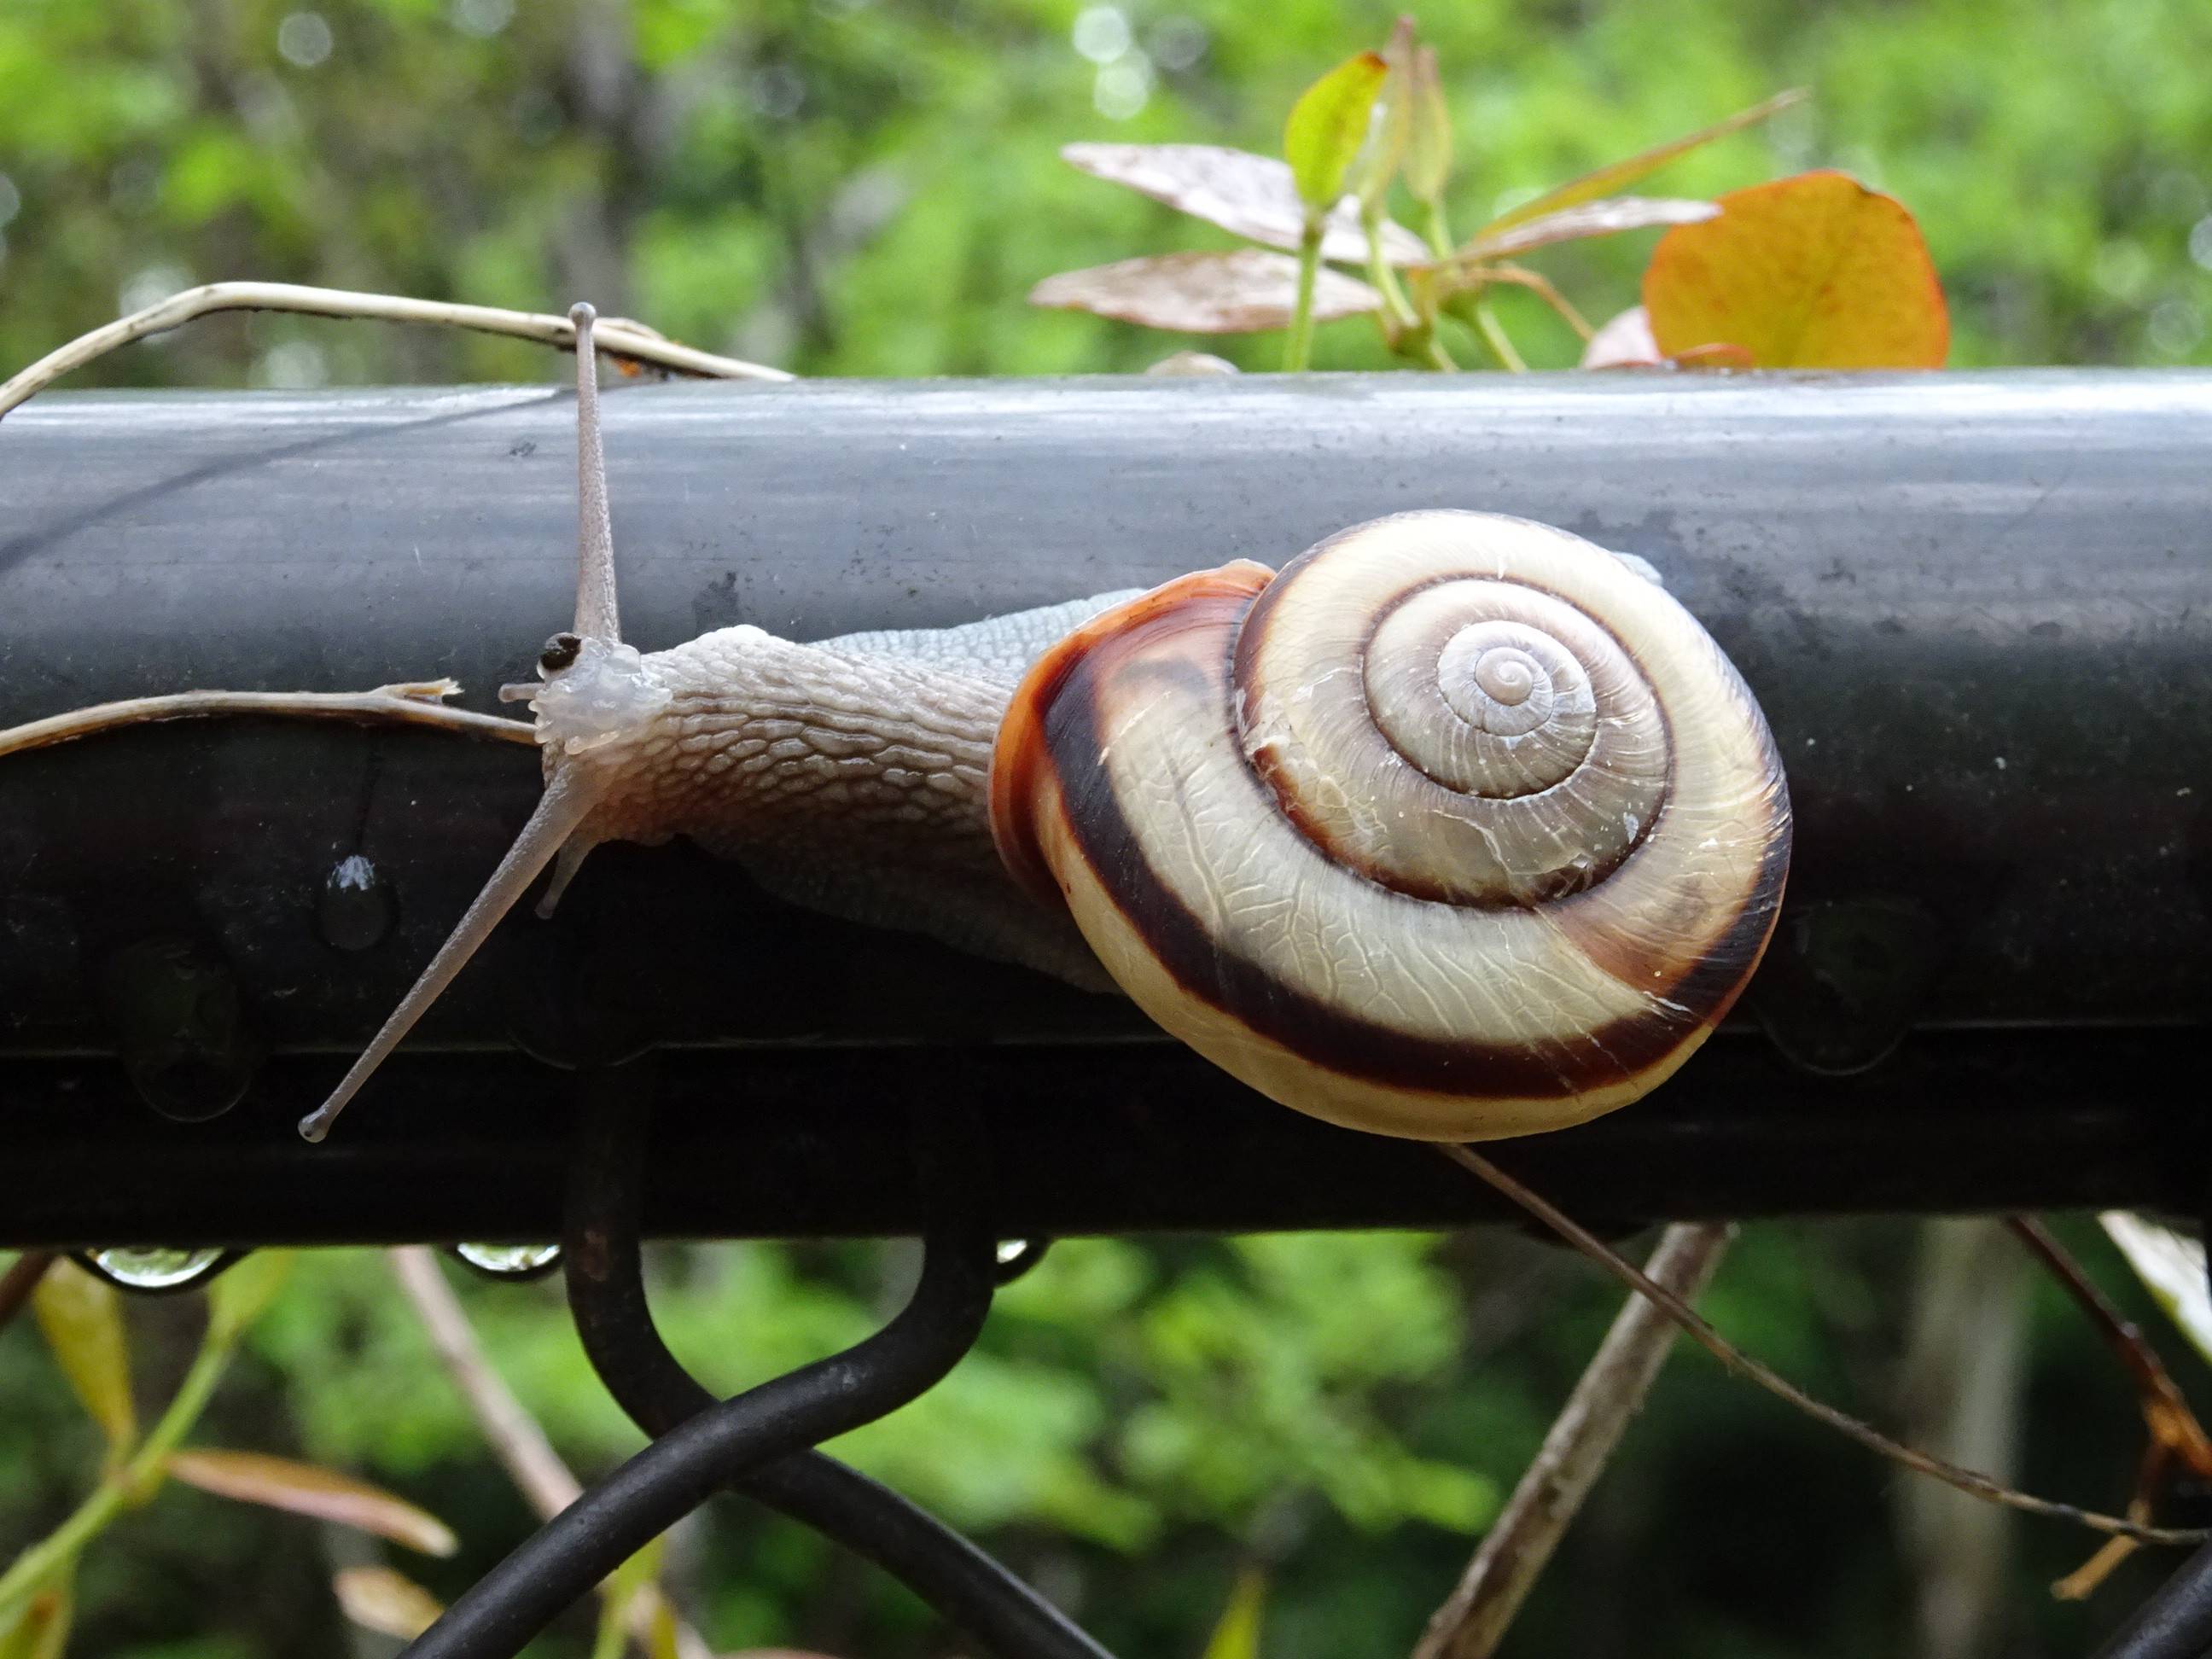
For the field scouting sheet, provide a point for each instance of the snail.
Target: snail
(1459, 827)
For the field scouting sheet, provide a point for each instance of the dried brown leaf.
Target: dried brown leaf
(378, 1599)
(1623, 342)
(1240, 292)
(1606, 218)
(1603, 181)
(1252, 196)
(308, 1489)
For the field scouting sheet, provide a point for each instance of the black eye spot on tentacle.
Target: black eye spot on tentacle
(560, 651)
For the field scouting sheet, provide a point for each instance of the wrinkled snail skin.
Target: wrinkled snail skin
(1458, 828)
(848, 774)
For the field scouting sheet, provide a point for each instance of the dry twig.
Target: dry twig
(616, 338)
(516, 1439)
(1966, 1480)
(416, 704)
(1474, 1618)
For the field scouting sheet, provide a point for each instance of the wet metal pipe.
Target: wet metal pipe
(1978, 610)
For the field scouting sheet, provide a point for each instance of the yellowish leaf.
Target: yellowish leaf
(278, 1483)
(1327, 125)
(1237, 1635)
(378, 1599)
(244, 1293)
(41, 1627)
(1814, 271)
(82, 1318)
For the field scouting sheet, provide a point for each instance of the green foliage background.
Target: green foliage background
(870, 187)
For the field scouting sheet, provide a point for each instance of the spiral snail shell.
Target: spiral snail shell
(1457, 829)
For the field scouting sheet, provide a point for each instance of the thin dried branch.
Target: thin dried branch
(1474, 1618)
(22, 1278)
(515, 1439)
(416, 703)
(2166, 1414)
(617, 339)
(514, 1435)
(1966, 1480)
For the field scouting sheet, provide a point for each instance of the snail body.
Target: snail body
(1458, 828)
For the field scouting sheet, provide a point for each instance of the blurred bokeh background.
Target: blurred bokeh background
(870, 187)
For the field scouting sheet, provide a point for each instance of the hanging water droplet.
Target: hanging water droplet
(510, 1261)
(154, 1268)
(1016, 1256)
(355, 908)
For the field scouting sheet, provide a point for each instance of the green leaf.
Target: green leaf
(82, 1318)
(1388, 130)
(244, 1293)
(1327, 125)
(1618, 175)
(1429, 134)
(620, 1593)
(1237, 1635)
(278, 1483)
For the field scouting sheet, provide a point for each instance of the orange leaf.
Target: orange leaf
(308, 1489)
(1814, 271)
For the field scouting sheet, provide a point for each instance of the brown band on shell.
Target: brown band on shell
(1339, 1039)
(1020, 749)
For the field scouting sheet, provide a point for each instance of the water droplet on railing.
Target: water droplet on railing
(355, 908)
(510, 1261)
(154, 1268)
(1016, 1256)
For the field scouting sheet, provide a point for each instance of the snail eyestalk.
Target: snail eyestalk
(597, 615)
(596, 689)
(568, 799)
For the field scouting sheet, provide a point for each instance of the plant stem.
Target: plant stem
(1733, 1358)
(1297, 349)
(136, 1481)
(1494, 336)
(1438, 231)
